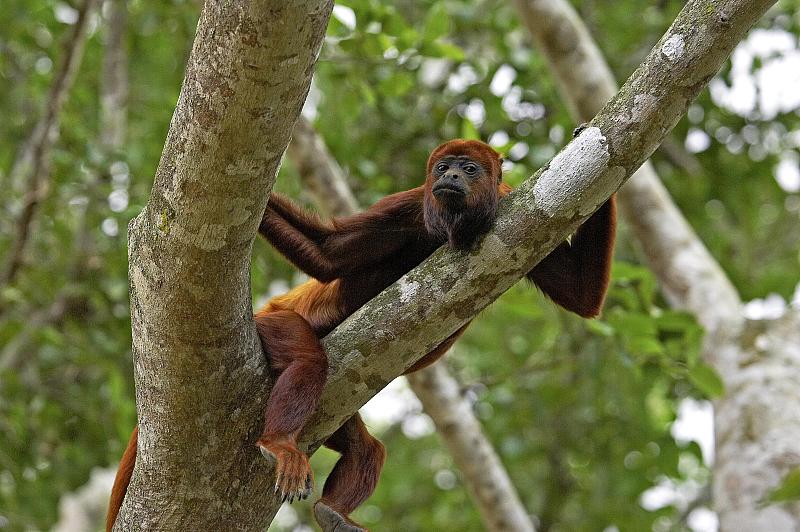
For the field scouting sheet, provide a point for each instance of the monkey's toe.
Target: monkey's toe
(332, 521)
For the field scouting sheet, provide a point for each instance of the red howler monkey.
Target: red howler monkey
(351, 260)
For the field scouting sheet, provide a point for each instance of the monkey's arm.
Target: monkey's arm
(575, 275)
(307, 223)
(346, 245)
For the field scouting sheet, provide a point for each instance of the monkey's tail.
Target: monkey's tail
(122, 479)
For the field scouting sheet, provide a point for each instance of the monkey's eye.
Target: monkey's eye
(441, 167)
(471, 168)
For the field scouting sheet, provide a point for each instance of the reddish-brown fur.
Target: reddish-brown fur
(351, 260)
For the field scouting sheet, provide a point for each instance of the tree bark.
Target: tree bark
(757, 425)
(201, 377)
(485, 476)
(751, 456)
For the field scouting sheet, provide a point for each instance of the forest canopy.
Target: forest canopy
(601, 425)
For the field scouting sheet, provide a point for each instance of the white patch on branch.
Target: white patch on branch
(408, 290)
(673, 48)
(571, 173)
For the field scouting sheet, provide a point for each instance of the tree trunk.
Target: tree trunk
(757, 425)
(201, 377)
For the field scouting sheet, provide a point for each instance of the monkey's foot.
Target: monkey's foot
(293, 476)
(332, 521)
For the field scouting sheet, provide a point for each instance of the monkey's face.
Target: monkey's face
(453, 178)
(461, 191)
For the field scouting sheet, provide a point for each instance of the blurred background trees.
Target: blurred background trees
(582, 413)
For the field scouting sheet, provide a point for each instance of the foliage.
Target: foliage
(579, 411)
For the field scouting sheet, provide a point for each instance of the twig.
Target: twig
(41, 141)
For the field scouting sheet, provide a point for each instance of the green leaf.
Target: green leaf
(633, 324)
(600, 327)
(444, 50)
(707, 380)
(437, 22)
(468, 130)
(645, 345)
(789, 489)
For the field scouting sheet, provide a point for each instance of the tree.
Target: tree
(175, 226)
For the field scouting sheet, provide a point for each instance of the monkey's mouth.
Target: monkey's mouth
(448, 191)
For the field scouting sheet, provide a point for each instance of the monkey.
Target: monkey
(350, 260)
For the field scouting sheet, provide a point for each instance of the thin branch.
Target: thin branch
(37, 168)
(484, 474)
(114, 77)
(681, 157)
(113, 117)
(12, 353)
(322, 176)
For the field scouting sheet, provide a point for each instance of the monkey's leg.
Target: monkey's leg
(353, 479)
(296, 354)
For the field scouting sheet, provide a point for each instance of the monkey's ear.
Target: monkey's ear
(500, 175)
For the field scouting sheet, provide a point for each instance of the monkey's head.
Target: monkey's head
(461, 191)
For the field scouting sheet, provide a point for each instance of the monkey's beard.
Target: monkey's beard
(458, 225)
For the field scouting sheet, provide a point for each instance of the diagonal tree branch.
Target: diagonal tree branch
(485, 476)
(34, 157)
(432, 301)
(672, 248)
